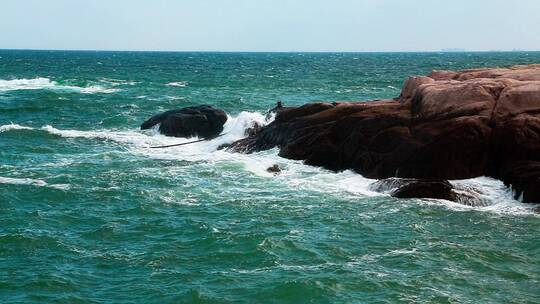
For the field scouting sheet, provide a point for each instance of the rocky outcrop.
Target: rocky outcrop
(449, 125)
(203, 121)
(425, 188)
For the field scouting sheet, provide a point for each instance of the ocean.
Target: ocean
(90, 214)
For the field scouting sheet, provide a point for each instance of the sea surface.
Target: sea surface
(90, 214)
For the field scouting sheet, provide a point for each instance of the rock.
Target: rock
(253, 130)
(453, 125)
(388, 185)
(442, 75)
(274, 169)
(203, 121)
(524, 178)
(223, 146)
(411, 84)
(434, 189)
(437, 189)
(415, 188)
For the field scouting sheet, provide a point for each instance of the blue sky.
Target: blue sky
(271, 25)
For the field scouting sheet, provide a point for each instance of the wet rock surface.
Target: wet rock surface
(203, 121)
(274, 169)
(448, 125)
(434, 189)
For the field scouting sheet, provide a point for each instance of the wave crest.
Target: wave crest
(12, 126)
(42, 83)
(31, 182)
(181, 84)
(346, 184)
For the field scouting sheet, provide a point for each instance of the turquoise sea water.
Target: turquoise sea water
(90, 214)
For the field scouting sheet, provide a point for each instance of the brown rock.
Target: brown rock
(450, 126)
(411, 84)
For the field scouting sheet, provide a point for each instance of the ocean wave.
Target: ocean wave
(181, 84)
(12, 126)
(30, 182)
(132, 137)
(295, 174)
(176, 97)
(117, 82)
(500, 197)
(42, 83)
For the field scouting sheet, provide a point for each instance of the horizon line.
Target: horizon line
(244, 51)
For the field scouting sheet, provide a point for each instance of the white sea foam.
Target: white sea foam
(294, 175)
(131, 137)
(500, 197)
(177, 84)
(117, 82)
(12, 126)
(22, 181)
(176, 97)
(31, 182)
(41, 83)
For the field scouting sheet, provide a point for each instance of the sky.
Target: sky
(270, 25)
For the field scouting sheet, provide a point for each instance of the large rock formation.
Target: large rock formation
(449, 125)
(204, 121)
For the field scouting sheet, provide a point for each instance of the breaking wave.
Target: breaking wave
(12, 126)
(294, 174)
(41, 83)
(177, 84)
(31, 182)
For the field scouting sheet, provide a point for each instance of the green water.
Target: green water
(90, 214)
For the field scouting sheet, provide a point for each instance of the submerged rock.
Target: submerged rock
(452, 125)
(203, 121)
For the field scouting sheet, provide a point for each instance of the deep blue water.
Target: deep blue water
(90, 214)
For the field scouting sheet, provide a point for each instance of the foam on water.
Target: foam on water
(181, 84)
(117, 82)
(12, 126)
(501, 198)
(42, 83)
(294, 174)
(31, 182)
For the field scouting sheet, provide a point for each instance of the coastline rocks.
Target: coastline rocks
(452, 125)
(203, 121)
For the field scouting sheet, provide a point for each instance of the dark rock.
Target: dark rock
(438, 189)
(223, 146)
(253, 130)
(388, 185)
(524, 178)
(452, 125)
(434, 189)
(274, 169)
(415, 188)
(203, 121)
